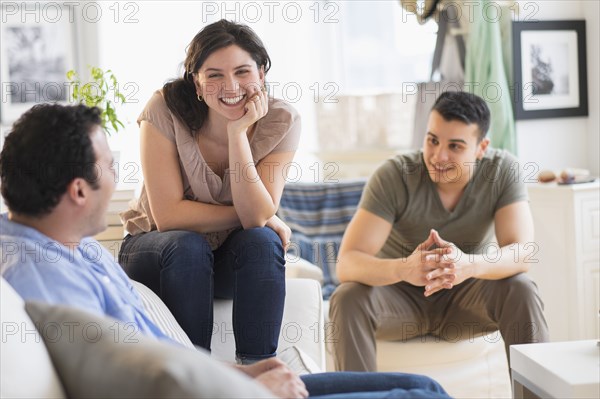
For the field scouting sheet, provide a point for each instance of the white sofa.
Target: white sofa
(301, 326)
(26, 370)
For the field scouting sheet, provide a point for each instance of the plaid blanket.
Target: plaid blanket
(318, 214)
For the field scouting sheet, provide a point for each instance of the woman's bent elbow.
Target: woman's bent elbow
(253, 223)
(163, 224)
(161, 227)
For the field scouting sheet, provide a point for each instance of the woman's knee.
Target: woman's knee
(184, 242)
(258, 235)
(164, 250)
(259, 246)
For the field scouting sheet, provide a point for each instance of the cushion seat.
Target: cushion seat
(452, 362)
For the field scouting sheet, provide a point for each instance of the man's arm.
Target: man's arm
(514, 232)
(365, 236)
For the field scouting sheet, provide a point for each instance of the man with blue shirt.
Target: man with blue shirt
(57, 180)
(56, 200)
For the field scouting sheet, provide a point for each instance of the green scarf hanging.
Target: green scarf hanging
(488, 74)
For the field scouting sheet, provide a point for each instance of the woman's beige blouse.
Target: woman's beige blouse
(278, 131)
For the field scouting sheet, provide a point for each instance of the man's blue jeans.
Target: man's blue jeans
(181, 268)
(363, 385)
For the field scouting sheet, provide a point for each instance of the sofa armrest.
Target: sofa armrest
(302, 324)
(161, 316)
(296, 267)
(26, 370)
(303, 319)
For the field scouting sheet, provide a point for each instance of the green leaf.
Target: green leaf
(97, 93)
(71, 74)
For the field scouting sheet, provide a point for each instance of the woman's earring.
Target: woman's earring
(199, 97)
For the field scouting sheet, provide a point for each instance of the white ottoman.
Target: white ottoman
(475, 368)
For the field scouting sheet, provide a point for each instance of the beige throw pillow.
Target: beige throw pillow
(99, 357)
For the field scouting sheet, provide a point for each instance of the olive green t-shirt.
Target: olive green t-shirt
(401, 192)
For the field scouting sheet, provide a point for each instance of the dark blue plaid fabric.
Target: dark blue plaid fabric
(318, 214)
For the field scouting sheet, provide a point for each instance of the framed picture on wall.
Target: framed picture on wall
(549, 69)
(37, 49)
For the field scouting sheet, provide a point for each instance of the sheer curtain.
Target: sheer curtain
(376, 53)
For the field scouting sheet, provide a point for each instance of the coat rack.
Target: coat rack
(423, 15)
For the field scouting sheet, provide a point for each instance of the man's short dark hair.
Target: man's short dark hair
(46, 149)
(464, 107)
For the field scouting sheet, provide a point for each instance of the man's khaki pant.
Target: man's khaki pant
(361, 314)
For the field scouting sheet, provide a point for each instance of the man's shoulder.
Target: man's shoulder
(39, 268)
(500, 157)
(500, 179)
(498, 166)
(398, 176)
(39, 262)
(405, 167)
(408, 158)
(48, 279)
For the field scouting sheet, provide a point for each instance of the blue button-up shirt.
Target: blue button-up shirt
(84, 276)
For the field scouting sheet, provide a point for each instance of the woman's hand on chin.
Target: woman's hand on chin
(256, 107)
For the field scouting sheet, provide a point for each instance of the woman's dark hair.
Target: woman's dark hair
(180, 94)
(47, 148)
(464, 107)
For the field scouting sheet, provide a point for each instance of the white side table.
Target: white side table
(556, 370)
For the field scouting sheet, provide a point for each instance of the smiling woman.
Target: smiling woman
(229, 88)
(205, 225)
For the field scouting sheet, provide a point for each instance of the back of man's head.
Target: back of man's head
(46, 149)
(465, 107)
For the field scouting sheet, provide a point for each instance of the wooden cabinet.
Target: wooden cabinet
(567, 233)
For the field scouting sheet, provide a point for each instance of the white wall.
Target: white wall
(148, 52)
(559, 143)
(591, 10)
(144, 43)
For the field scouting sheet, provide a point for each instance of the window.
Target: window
(382, 51)
(383, 46)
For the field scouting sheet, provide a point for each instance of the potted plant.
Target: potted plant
(102, 92)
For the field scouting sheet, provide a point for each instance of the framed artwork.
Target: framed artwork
(549, 69)
(36, 51)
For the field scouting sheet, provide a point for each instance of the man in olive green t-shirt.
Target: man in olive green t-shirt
(420, 255)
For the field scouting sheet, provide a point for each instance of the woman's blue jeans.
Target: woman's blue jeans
(362, 385)
(181, 268)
